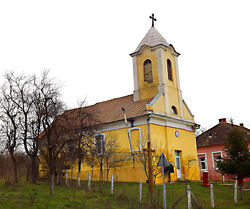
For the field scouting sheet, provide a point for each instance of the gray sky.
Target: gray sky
(86, 45)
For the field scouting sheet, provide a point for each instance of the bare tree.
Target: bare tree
(84, 126)
(10, 114)
(24, 97)
(142, 156)
(112, 158)
(55, 127)
(200, 131)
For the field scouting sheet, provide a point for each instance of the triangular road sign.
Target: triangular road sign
(163, 162)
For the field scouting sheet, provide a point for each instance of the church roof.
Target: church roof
(218, 134)
(153, 38)
(111, 110)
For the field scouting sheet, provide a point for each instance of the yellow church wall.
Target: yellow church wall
(147, 90)
(159, 105)
(186, 143)
(169, 54)
(186, 113)
(173, 98)
(163, 139)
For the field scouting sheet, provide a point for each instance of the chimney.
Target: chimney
(222, 120)
(242, 124)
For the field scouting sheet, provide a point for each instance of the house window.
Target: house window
(100, 144)
(135, 139)
(148, 76)
(216, 157)
(169, 67)
(174, 110)
(203, 161)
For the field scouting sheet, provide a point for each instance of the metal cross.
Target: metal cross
(153, 19)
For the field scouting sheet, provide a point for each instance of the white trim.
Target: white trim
(205, 154)
(155, 99)
(136, 82)
(103, 141)
(130, 144)
(179, 157)
(155, 119)
(216, 152)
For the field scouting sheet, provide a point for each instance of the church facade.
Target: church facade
(155, 112)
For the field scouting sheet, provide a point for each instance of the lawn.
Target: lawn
(126, 195)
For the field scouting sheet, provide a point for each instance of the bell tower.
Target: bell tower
(155, 71)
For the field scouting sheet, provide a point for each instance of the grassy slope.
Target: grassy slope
(27, 196)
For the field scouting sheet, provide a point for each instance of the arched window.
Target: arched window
(174, 110)
(170, 74)
(135, 143)
(148, 76)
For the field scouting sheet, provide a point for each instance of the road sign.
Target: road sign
(163, 162)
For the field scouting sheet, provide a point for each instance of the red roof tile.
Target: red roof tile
(111, 110)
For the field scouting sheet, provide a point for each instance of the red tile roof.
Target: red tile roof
(218, 134)
(111, 110)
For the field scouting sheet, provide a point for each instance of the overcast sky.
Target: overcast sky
(86, 46)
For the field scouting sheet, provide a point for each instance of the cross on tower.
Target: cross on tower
(153, 19)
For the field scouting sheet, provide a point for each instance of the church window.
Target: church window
(169, 67)
(135, 139)
(174, 110)
(148, 76)
(100, 144)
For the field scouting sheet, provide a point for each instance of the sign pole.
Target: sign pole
(164, 189)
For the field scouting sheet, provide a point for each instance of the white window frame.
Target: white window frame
(216, 152)
(130, 143)
(205, 154)
(103, 142)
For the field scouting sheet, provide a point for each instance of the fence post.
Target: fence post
(66, 178)
(140, 192)
(189, 197)
(89, 181)
(212, 195)
(235, 191)
(112, 184)
(79, 179)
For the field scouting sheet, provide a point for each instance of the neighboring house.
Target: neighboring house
(210, 148)
(155, 110)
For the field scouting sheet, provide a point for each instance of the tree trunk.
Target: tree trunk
(79, 172)
(33, 170)
(51, 182)
(14, 163)
(107, 172)
(241, 192)
(28, 173)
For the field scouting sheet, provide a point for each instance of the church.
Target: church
(155, 112)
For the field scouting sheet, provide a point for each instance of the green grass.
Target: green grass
(28, 196)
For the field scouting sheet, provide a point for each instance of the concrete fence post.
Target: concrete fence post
(112, 184)
(189, 197)
(66, 178)
(89, 181)
(212, 195)
(235, 191)
(140, 192)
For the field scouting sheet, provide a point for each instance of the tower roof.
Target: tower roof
(152, 38)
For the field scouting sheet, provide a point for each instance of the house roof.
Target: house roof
(111, 110)
(218, 134)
